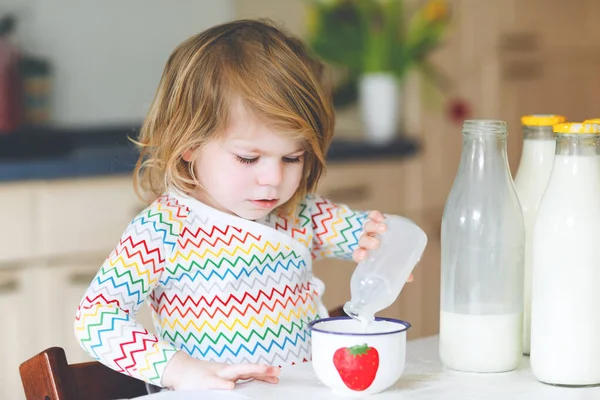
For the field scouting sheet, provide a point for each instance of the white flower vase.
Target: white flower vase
(379, 102)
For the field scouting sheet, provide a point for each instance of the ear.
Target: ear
(188, 155)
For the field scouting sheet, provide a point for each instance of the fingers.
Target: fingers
(248, 371)
(373, 227)
(410, 278)
(359, 255)
(376, 216)
(365, 243)
(217, 383)
(368, 242)
(268, 379)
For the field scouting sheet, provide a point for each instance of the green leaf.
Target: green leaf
(359, 350)
(338, 38)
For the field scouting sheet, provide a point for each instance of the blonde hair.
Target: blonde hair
(271, 71)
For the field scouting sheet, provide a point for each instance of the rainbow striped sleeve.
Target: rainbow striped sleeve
(336, 228)
(105, 324)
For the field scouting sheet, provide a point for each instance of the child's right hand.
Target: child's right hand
(187, 373)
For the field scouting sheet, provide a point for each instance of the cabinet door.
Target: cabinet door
(380, 185)
(430, 268)
(558, 24)
(85, 216)
(15, 332)
(69, 279)
(559, 82)
(16, 214)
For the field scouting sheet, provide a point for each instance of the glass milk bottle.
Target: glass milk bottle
(530, 182)
(565, 309)
(483, 239)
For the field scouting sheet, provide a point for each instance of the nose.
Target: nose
(271, 174)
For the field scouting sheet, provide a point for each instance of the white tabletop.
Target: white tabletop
(424, 379)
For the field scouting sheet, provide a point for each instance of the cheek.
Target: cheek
(220, 174)
(239, 178)
(233, 174)
(293, 176)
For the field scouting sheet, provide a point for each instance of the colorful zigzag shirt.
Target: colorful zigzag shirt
(221, 288)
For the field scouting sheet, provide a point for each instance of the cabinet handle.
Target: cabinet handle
(10, 286)
(523, 70)
(519, 41)
(82, 278)
(349, 193)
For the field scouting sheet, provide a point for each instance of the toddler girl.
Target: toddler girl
(231, 151)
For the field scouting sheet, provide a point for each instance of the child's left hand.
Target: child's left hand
(368, 241)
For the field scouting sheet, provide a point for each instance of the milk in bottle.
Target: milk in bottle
(483, 238)
(530, 182)
(565, 310)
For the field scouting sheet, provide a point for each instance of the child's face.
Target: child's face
(251, 170)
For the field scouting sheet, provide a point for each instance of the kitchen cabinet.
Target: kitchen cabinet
(17, 309)
(17, 215)
(555, 24)
(58, 234)
(84, 216)
(67, 279)
(548, 82)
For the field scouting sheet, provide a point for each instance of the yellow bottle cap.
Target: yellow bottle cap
(542, 119)
(576, 127)
(592, 121)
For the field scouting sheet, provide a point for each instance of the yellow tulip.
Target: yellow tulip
(436, 10)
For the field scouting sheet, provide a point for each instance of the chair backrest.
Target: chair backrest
(48, 376)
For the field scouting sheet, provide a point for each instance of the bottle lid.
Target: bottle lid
(592, 121)
(577, 127)
(542, 119)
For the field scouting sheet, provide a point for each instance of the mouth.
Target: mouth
(265, 203)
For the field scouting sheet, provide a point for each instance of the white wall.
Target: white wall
(108, 55)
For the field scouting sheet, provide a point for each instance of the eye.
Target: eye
(292, 160)
(246, 161)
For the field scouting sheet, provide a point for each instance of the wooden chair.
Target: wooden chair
(48, 376)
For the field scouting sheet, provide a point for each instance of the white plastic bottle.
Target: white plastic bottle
(531, 179)
(565, 310)
(483, 239)
(378, 280)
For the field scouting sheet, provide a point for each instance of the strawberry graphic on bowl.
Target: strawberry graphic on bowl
(357, 366)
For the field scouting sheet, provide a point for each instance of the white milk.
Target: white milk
(530, 182)
(481, 343)
(565, 330)
(353, 326)
(365, 322)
